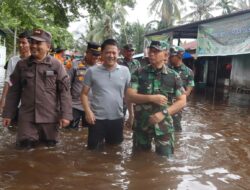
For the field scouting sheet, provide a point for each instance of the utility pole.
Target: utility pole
(14, 48)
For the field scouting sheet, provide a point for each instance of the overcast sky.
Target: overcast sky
(139, 13)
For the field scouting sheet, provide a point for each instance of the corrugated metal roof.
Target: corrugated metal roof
(190, 30)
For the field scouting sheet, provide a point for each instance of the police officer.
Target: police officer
(154, 88)
(77, 75)
(42, 84)
(186, 74)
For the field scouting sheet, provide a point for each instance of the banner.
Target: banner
(2, 55)
(228, 36)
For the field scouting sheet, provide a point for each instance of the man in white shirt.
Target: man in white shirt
(24, 51)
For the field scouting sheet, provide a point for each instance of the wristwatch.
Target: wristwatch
(165, 112)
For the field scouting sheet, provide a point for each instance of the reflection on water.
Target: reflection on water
(212, 153)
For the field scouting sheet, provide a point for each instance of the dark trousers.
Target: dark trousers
(177, 121)
(105, 131)
(77, 116)
(31, 131)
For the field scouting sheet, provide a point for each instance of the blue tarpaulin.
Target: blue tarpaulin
(187, 55)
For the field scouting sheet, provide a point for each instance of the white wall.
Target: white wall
(2, 55)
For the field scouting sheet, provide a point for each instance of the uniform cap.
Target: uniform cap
(129, 47)
(59, 49)
(159, 45)
(41, 35)
(94, 48)
(175, 50)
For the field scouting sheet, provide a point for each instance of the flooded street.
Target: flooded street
(211, 153)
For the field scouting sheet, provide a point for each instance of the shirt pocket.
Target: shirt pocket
(50, 82)
(145, 87)
(27, 78)
(168, 88)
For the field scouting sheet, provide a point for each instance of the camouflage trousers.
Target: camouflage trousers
(163, 135)
(177, 121)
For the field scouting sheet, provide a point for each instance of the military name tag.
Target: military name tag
(50, 73)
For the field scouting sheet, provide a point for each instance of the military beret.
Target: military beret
(129, 47)
(175, 50)
(159, 45)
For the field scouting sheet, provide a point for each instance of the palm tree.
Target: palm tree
(243, 4)
(167, 10)
(152, 26)
(201, 9)
(227, 6)
(132, 33)
(106, 23)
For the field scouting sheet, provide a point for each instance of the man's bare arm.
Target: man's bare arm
(90, 117)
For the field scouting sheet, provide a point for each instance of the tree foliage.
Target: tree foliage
(227, 6)
(53, 16)
(167, 10)
(106, 23)
(243, 4)
(132, 33)
(201, 9)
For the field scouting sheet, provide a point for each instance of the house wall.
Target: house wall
(2, 55)
(240, 74)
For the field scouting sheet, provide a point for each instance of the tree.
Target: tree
(227, 6)
(201, 9)
(104, 25)
(152, 26)
(53, 16)
(167, 10)
(243, 4)
(136, 33)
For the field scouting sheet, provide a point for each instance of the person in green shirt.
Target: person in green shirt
(127, 52)
(158, 94)
(186, 74)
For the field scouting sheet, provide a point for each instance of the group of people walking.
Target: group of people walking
(98, 94)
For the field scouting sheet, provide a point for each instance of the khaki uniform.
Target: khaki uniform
(77, 75)
(44, 91)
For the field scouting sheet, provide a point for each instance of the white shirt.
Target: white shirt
(11, 66)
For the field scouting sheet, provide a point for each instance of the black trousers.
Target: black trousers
(77, 116)
(105, 131)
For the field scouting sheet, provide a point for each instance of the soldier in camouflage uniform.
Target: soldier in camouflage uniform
(128, 61)
(132, 64)
(186, 75)
(154, 88)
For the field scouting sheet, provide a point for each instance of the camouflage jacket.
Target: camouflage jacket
(132, 65)
(148, 80)
(186, 74)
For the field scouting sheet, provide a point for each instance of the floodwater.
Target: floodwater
(212, 153)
